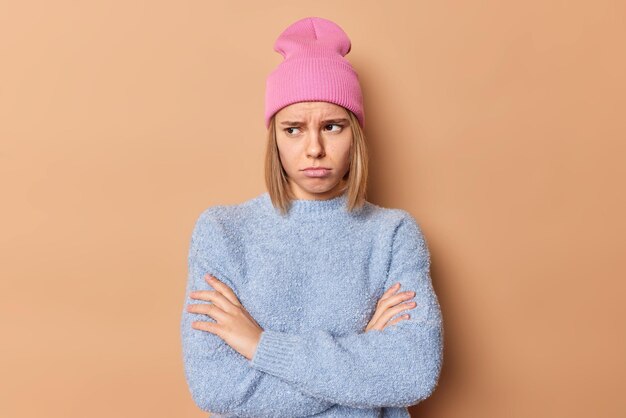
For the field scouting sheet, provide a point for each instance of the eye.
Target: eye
(335, 124)
(287, 130)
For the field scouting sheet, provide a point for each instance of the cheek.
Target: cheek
(287, 157)
(342, 152)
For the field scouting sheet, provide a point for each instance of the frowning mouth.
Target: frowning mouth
(316, 171)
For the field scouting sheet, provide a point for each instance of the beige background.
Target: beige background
(498, 125)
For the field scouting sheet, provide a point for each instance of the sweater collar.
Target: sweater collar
(303, 207)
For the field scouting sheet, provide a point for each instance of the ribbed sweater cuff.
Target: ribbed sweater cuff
(274, 353)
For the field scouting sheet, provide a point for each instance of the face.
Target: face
(318, 135)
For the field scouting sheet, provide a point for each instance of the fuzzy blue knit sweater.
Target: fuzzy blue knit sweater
(311, 279)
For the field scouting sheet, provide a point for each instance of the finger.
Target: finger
(208, 309)
(382, 315)
(223, 289)
(390, 291)
(398, 319)
(396, 299)
(211, 327)
(213, 296)
(390, 313)
(380, 305)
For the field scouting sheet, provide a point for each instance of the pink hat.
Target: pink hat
(314, 69)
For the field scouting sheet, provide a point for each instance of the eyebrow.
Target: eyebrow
(325, 121)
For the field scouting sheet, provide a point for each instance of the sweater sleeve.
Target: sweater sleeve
(220, 379)
(398, 366)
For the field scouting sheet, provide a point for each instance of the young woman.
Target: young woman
(293, 305)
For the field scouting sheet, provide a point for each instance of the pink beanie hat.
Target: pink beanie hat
(314, 69)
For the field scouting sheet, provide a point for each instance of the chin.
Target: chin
(320, 189)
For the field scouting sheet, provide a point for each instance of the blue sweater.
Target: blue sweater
(312, 279)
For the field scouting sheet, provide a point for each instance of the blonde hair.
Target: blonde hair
(276, 177)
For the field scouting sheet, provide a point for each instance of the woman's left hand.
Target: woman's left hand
(234, 324)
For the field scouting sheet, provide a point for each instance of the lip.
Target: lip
(316, 171)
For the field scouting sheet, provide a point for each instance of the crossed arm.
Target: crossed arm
(313, 372)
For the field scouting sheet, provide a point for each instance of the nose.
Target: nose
(315, 148)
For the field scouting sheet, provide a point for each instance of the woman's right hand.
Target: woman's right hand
(388, 306)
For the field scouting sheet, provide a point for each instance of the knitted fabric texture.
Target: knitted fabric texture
(314, 69)
(312, 278)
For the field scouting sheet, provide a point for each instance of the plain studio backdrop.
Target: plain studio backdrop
(500, 125)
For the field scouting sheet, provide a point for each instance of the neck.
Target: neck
(295, 192)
